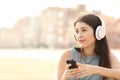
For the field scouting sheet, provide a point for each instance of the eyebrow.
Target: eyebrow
(81, 28)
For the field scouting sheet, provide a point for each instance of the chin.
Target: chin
(81, 46)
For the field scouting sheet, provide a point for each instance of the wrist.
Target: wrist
(98, 69)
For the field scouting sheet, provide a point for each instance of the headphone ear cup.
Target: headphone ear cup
(100, 32)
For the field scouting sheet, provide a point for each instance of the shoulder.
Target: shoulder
(66, 54)
(115, 63)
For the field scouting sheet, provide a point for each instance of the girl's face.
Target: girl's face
(84, 35)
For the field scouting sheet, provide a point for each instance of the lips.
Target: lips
(81, 41)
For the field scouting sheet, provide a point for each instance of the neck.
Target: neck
(89, 51)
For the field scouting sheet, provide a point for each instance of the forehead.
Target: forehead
(82, 25)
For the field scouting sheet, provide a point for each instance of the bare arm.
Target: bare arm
(111, 73)
(62, 64)
(115, 71)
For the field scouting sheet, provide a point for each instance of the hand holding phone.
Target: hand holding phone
(72, 62)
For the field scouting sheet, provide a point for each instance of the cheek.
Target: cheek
(90, 36)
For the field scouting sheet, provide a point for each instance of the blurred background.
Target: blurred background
(34, 34)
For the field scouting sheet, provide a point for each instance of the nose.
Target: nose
(80, 34)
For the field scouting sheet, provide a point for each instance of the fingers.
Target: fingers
(77, 72)
(82, 73)
(69, 73)
(80, 65)
(85, 70)
(73, 71)
(67, 66)
(82, 70)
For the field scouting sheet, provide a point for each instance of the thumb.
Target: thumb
(67, 66)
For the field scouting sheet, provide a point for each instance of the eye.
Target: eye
(77, 32)
(84, 30)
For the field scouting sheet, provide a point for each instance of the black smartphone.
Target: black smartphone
(72, 62)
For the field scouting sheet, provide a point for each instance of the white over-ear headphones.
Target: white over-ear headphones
(100, 30)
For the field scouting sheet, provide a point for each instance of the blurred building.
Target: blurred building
(53, 28)
(27, 28)
(57, 25)
(9, 39)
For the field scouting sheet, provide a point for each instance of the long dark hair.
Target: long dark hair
(101, 46)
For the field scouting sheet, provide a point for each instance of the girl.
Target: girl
(93, 57)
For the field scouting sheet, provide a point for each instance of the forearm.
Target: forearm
(111, 73)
